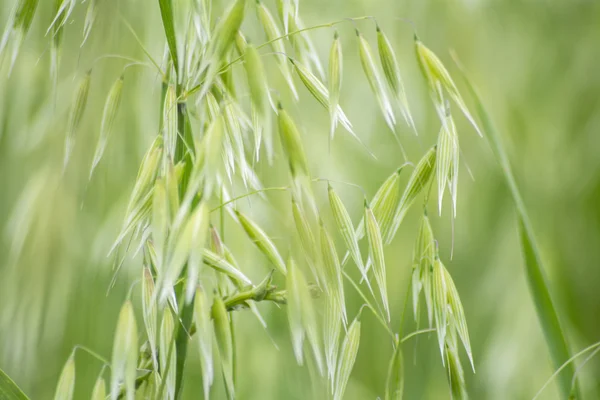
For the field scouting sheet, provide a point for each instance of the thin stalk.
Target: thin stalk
(415, 333)
(223, 204)
(93, 354)
(404, 308)
(233, 342)
(565, 365)
(370, 306)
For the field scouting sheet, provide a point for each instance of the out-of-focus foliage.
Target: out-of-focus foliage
(535, 64)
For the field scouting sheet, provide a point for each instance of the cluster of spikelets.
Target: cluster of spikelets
(208, 144)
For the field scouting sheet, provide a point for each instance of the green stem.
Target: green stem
(92, 353)
(565, 364)
(415, 333)
(233, 342)
(404, 308)
(223, 204)
(370, 306)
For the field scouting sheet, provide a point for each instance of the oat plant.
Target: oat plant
(223, 119)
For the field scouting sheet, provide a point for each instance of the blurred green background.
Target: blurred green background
(536, 65)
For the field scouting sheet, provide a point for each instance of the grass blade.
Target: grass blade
(166, 13)
(534, 267)
(9, 389)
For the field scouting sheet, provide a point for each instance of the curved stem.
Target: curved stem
(92, 353)
(415, 333)
(250, 194)
(563, 366)
(368, 303)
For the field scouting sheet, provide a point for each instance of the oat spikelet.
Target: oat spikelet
(108, 118)
(384, 205)
(334, 285)
(335, 81)
(90, 18)
(294, 311)
(438, 77)
(332, 329)
(76, 113)
(17, 27)
(348, 354)
(125, 354)
(293, 148)
(149, 313)
(66, 382)
(391, 72)
(417, 182)
(372, 73)
(262, 241)
(376, 255)
(199, 234)
(223, 38)
(99, 391)
(307, 241)
(168, 359)
(447, 162)
(423, 259)
(346, 229)
(272, 32)
(204, 330)
(318, 90)
(259, 94)
(224, 342)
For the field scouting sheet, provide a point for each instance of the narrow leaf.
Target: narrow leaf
(166, 13)
(9, 389)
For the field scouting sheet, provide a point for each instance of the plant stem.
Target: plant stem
(223, 204)
(415, 333)
(370, 306)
